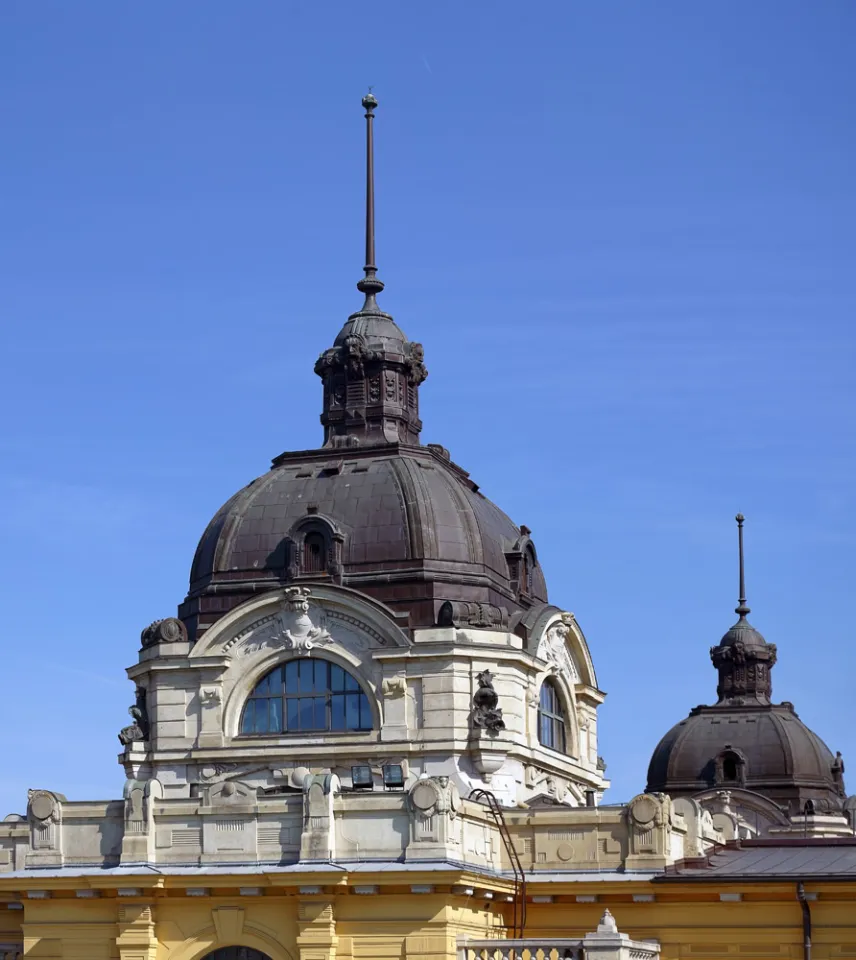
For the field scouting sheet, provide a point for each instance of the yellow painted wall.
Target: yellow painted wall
(164, 923)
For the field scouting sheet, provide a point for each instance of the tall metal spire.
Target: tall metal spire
(741, 607)
(370, 285)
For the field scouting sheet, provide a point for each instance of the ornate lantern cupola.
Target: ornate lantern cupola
(743, 657)
(372, 372)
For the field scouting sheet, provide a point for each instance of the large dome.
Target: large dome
(401, 523)
(372, 509)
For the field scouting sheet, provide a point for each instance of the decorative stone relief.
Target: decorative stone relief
(433, 804)
(291, 628)
(394, 687)
(213, 771)
(210, 697)
(168, 630)
(471, 614)
(138, 731)
(649, 817)
(553, 647)
(229, 825)
(44, 813)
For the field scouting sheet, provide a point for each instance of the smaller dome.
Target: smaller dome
(765, 749)
(742, 632)
(744, 740)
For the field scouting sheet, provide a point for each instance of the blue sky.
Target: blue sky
(624, 233)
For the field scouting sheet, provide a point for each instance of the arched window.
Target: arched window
(729, 767)
(306, 695)
(551, 718)
(314, 553)
(236, 953)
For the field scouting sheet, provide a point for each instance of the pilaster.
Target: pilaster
(316, 924)
(136, 939)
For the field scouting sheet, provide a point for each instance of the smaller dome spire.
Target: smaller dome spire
(743, 657)
(372, 372)
(370, 285)
(741, 607)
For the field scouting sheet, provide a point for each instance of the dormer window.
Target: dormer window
(313, 547)
(730, 767)
(305, 696)
(315, 553)
(528, 571)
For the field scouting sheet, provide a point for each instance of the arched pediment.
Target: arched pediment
(302, 618)
(553, 635)
(739, 800)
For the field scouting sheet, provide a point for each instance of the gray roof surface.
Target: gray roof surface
(759, 860)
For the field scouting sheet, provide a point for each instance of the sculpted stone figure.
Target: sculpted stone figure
(139, 729)
(486, 714)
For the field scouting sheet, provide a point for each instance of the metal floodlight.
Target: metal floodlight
(393, 776)
(361, 777)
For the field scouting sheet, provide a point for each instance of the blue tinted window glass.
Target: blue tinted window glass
(551, 718)
(337, 709)
(304, 713)
(291, 718)
(352, 711)
(317, 695)
(276, 715)
(307, 676)
(247, 723)
(320, 713)
(261, 724)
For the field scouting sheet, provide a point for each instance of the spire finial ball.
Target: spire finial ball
(369, 101)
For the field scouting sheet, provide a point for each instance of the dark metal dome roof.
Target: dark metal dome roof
(403, 523)
(774, 753)
(742, 633)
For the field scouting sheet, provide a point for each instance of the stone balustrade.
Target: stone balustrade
(605, 943)
(527, 949)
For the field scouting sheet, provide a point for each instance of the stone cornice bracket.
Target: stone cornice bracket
(318, 839)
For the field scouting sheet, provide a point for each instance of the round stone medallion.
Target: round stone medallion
(564, 851)
(42, 806)
(644, 810)
(423, 797)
